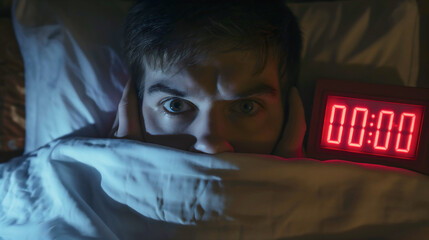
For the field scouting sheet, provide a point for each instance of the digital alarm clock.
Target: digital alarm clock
(370, 123)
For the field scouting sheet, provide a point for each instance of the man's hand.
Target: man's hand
(127, 122)
(290, 144)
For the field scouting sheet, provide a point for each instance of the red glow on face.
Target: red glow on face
(392, 130)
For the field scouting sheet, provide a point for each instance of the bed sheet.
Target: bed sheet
(81, 188)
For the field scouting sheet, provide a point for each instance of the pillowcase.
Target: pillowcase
(374, 41)
(75, 72)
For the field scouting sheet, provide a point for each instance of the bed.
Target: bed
(12, 89)
(73, 182)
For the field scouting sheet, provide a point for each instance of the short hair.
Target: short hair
(168, 32)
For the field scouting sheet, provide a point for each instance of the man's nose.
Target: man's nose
(211, 145)
(211, 133)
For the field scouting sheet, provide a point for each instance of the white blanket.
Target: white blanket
(121, 189)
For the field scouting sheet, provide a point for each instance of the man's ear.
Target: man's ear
(128, 120)
(290, 144)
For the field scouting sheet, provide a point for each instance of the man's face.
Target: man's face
(217, 105)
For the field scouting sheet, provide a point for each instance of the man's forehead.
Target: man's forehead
(227, 74)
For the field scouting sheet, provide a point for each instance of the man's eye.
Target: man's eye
(177, 105)
(247, 107)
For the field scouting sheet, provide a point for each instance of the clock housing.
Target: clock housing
(370, 123)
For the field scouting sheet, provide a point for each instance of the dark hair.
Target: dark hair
(166, 32)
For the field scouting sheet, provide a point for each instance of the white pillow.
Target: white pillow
(73, 67)
(360, 40)
(75, 74)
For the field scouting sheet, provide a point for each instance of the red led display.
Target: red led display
(373, 127)
(370, 123)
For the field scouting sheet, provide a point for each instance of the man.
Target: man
(213, 76)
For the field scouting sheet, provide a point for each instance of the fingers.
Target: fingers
(127, 117)
(290, 144)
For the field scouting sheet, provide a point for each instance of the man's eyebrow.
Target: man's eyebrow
(260, 89)
(160, 87)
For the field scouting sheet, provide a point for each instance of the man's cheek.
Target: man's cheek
(264, 126)
(261, 141)
(157, 122)
(268, 129)
(152, 120)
